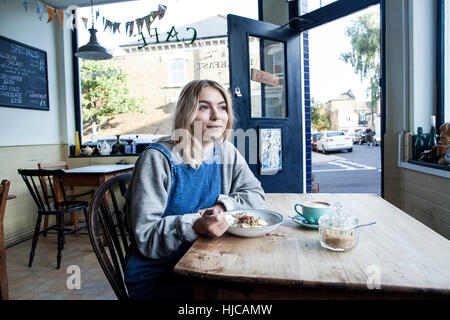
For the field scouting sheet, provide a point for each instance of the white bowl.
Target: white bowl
(272, 218)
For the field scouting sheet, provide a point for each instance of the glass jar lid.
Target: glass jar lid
(338, 219)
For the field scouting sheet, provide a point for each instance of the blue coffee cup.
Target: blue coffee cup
(313, 210)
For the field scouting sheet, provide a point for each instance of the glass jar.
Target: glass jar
(337, 230)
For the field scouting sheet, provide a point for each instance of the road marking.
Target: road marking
(352, 163)
(341, 165)
(346, 165)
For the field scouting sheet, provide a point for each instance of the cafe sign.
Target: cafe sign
(265, 77)
(172, 36)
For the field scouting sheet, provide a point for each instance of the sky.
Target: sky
(330, 76)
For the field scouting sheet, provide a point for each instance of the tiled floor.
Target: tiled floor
(44, 282)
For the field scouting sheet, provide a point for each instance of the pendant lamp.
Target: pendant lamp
(93, 50)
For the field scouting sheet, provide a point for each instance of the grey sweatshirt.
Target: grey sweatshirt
(147, 194)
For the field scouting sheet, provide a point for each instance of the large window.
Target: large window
(137, 90)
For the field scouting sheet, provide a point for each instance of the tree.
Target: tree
(319, 116)
(364, 36)
(104, 93)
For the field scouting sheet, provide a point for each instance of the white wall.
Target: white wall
(26, 126)
(30, 136)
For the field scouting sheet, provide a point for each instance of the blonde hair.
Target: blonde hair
(185, 113)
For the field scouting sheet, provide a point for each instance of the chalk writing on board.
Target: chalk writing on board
(23, 76)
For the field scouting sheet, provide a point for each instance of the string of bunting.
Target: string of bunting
(130, 26)
(44, 9)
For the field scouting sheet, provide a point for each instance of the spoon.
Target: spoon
(364, 225)
(360, 226)
(303, 220)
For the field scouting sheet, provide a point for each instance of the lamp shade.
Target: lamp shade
(93, 50)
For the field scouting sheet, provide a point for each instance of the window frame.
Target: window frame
(440, 62)
(171, 71)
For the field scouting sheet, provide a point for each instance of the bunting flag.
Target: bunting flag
(108, 24)
(97, 13)
(161, 11)
(85, 21)
(25, 5)
(139, 24)
(154, 14)
(41, 10)
(148, 23)
(51, 14)
(129, 25)
(116, 27)
(60, 15)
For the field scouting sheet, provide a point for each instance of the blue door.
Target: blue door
(265, 84)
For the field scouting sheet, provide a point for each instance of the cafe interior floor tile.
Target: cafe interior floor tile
(44, 282)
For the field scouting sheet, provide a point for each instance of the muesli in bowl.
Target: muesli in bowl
(252, 222)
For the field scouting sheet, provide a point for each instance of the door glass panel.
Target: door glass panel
(267, 78)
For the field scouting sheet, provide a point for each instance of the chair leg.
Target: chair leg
(60, 240)
(45, 225)
(35, 239)
(75, 222)
(86, 215)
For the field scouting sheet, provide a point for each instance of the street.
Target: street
(348, 172)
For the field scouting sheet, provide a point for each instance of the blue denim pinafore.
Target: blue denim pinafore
(190, 191)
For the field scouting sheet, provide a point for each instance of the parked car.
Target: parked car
(358, 136)
(352, 135)
(334, 141)
(314, 138)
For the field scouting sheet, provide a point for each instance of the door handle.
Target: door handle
(237, 92)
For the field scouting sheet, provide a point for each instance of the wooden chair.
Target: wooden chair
(107, 228)
(72, 195)
(4, 189)
(39, 183)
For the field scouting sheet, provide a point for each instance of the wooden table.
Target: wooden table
(397, 257)
(94, 175)
(90, 176)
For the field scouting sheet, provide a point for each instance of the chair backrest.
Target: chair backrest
(53, 165)
(107, 229)
(41, 184)
(4, 189)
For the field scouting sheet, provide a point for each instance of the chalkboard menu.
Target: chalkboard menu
(23, 76)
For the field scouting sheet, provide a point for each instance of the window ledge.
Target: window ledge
(420, 166)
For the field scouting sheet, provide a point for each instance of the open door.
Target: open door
(265, 83)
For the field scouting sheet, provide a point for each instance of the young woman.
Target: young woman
(180, 188)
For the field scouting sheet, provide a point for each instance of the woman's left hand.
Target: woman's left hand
(220, 207)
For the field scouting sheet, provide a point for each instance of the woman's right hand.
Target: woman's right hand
(211, 222)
